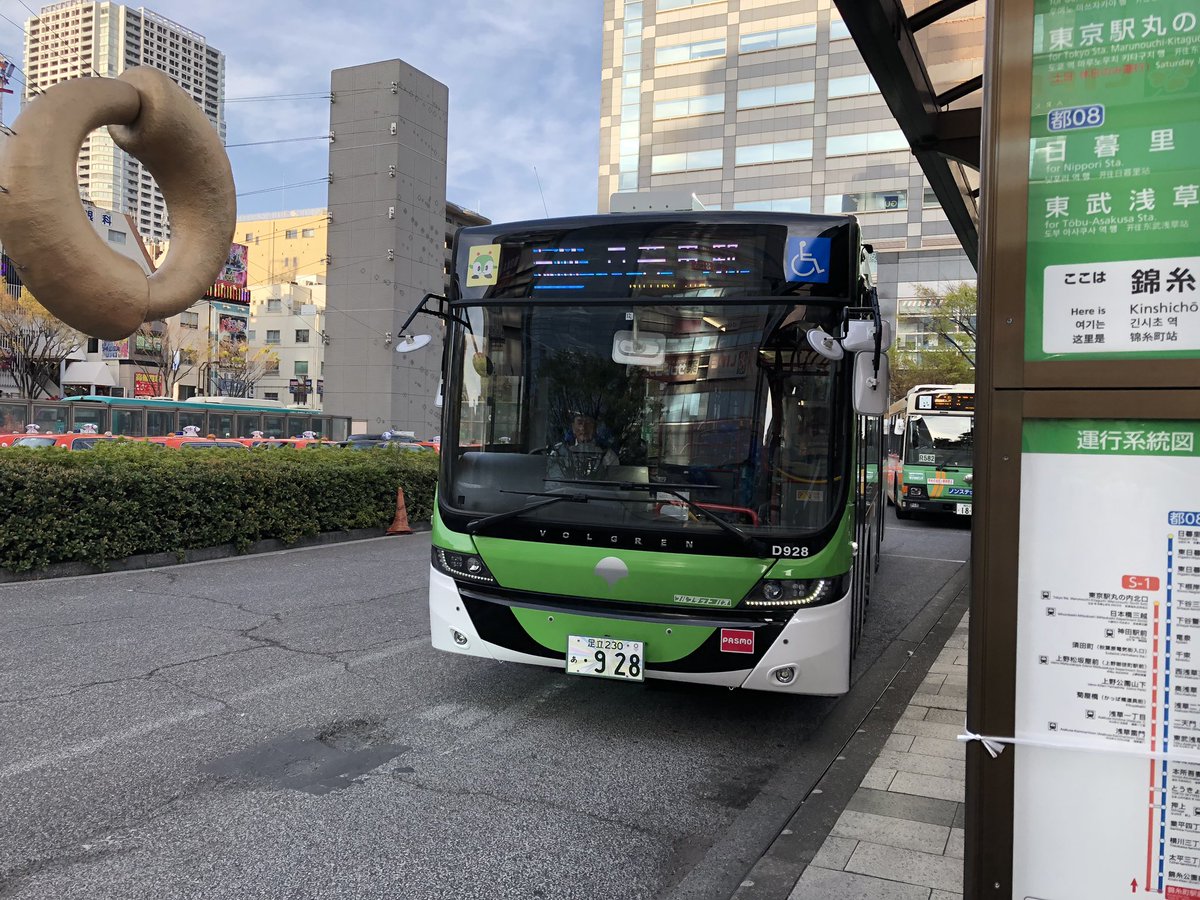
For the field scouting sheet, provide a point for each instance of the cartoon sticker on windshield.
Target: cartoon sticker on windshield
(807, 259)
(483, 265)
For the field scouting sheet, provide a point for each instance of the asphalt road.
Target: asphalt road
(277, 726)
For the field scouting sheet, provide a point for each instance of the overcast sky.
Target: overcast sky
(523, 75)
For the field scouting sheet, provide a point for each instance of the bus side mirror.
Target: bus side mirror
(870, 387)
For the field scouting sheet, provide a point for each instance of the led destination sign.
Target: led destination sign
(946, 402)
(688, 260)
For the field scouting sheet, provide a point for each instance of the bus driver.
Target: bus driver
(582, 456)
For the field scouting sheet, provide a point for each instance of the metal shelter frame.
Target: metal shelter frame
(943, 140)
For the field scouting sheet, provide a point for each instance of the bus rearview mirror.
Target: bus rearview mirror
(870, 386)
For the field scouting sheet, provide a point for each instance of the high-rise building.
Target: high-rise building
(81, 39)
(767, 104)
(387, 206)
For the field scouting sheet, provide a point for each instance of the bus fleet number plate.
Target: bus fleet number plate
(963, 509)
(606, 657)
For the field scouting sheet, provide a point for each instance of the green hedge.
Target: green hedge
(119, 500)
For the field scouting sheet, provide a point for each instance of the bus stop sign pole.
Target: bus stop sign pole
(1083, 719)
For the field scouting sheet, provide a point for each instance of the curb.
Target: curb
(775, 874)
(766, 850)
(200, 554)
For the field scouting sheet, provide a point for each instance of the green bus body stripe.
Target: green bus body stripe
(654, 578)
(661, 647)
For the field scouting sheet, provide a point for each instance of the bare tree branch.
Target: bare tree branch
(33, 344)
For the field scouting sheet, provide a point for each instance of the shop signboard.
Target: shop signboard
(147, 384)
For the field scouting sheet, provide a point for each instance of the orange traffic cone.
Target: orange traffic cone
(400, 523)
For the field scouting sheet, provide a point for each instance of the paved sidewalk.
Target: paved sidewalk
(901, 835)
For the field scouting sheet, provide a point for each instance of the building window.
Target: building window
(93, 345)
(776, 95)
(272, 367)
(116, 237)
(274, 304)
(272, 336)
(665, 163)
(290, 233)
(871, 142)
(692, 106)
(852, 86)
(301, 335)
(271, 395)
(871, 201)
(301, 367)
(793, 205)
(679, 53)
(250, 335)
(189, 320)
(308, 232)
(753, 154)
(929, 199)
(249, 236)
(838, 30)
(775, 40)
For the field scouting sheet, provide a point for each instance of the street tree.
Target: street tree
(238, 367)
(33, 345)
(952, 318)
(168, 352)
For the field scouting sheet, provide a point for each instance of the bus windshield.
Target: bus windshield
(935, 440)
(651, 416)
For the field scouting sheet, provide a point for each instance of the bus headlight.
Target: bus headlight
(914, 491)
(467, 566)
(781, 593)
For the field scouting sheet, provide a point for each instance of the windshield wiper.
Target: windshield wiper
(479, 524)
(674, 491)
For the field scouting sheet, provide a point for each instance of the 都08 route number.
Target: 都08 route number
(606, 657)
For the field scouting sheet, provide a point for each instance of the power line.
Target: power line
(284, 187)
(311, 95)
(317, 137)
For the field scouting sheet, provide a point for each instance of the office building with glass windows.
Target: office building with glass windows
(767, 104)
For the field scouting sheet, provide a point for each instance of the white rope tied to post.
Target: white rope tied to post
(993, 745)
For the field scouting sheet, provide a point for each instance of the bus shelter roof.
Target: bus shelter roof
(935, 96)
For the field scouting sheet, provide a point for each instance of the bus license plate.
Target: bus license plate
(606, 657)
(963, 509)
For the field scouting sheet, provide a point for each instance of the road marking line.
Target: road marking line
(139, 731)
(926, 558)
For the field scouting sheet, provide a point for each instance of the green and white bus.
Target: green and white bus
(655, 447)
(931, 440)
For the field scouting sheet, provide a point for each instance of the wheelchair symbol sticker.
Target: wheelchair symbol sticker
(807, 259)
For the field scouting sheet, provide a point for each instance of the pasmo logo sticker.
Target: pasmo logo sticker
(737, 640)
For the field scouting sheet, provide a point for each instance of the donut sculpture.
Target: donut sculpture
(66, 265)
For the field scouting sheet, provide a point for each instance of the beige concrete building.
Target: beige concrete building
(82, 39)
(288, 320)
(284, 246)
(767, 104)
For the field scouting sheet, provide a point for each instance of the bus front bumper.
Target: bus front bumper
(807, 654)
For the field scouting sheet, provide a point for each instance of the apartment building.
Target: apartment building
(767, 104)
(82, 39)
